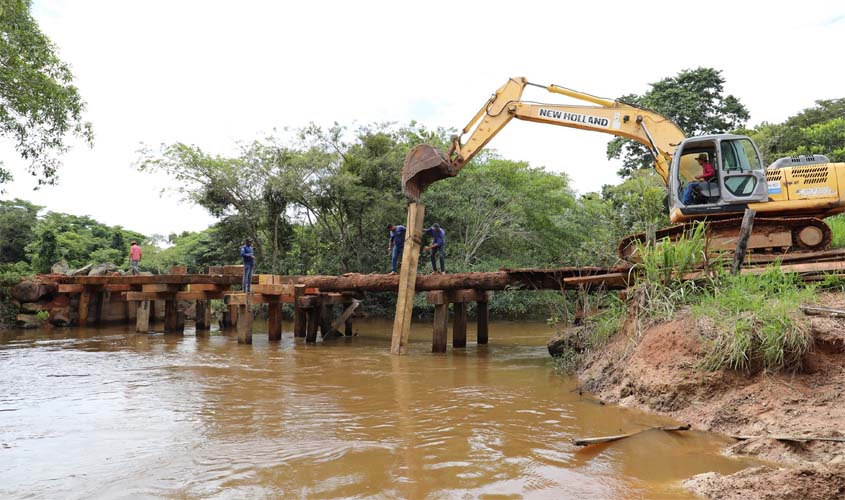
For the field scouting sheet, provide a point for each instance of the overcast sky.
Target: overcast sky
(215, 73)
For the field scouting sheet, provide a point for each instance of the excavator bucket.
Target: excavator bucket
(424, 165)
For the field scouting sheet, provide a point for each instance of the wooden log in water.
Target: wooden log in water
(142, 316)
(441, 325)
(459, 325)
(203, 313)
(482, 321)
(607, 439)
(274, 321)
(299, 319)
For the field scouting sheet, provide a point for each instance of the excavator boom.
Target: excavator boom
(425, 164)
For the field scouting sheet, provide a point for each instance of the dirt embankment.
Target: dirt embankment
(660, 372)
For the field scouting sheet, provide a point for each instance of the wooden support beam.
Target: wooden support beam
(441, 322)
(274, 321)
(71, 288)
(313, 322)
(273, 289)
(345, 317)
(244, 324)
(482, 321)
(99, 299)
(160, 287)
(203, 313)
(453, 296)
(326, 314)
(742, 244)
(170, 316)
(459, 325)
(298, 312)
(84, 300)
(207, 287)
(407, 279)
(119, 287)
(233, 315)
(142, 316)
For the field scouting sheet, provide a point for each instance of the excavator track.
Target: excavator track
(772, 236)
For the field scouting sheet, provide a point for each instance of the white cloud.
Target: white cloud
(213, 73)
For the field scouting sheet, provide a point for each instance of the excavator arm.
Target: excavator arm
(425, 164)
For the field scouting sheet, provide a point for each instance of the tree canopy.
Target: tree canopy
(39, 105)
(694, 99)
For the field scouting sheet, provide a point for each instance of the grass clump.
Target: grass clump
(837, 227)
(756, 321)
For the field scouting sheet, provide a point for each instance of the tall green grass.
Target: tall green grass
(756, 320)
(837, 227)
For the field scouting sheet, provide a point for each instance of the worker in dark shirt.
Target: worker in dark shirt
(395, 245)
(437, 247)
(249, 264)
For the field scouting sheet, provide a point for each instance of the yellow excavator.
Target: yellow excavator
(791, 196)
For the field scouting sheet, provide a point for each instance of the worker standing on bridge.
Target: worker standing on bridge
(249, 264)
(395, 246)
(438, 246)
(134, 257)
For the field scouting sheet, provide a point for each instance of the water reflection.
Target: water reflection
(107, 413)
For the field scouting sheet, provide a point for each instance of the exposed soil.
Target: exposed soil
(659, 370)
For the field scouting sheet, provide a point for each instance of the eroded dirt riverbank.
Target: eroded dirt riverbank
(659, 371)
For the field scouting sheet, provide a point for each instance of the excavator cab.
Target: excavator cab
(740, 175)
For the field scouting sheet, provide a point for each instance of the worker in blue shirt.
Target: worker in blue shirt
(437, 247)
(395, 245)
(249, 264)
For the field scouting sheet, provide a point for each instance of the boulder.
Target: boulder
(60, 267)
(27, 291)
(28, 321)
(106, 268)
(32, 307)
(60, 316)
(82, 271)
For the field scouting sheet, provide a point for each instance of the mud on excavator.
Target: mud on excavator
(791, 196)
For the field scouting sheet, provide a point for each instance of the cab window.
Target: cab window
(739, 155)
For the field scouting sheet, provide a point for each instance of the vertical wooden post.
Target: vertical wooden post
(441, 324)
(298, 312)
(483, 317)
(326, 314)
(153, 316)
(142, 316)
(203, 312)
(347, 327)
(180, 321)
(245, 324)
(170, 319)
(274, 321)
(99, 301)
(459, 325)
(313, 322)
(84, 300)
(233, 315)
(742, 244)
(407, 279)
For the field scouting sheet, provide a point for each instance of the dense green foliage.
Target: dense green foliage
(39, 105)
(694, 99)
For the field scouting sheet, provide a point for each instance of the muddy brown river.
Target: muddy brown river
(104, 413)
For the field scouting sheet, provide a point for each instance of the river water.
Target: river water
(93, 413)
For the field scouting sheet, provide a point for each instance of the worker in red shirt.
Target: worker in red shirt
(707, 173)
(134, 257)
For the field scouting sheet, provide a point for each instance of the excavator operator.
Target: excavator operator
(693, 188)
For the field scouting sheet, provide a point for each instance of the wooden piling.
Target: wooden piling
(441, 322)
(142, 316)
(346, 317)
(84, 300)
(233, 315)
(299, 318)
(482, 320)
(407, 279)
(203, 312)
(459, 325)
(244, 323)
(170, 316)
(313, 315)
(274, 321)
(99, 298)
(326, 313)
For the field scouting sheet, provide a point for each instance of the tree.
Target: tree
(17, 220)
(694, 100)
(39, 105)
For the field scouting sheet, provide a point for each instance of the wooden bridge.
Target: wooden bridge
(313, 298)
